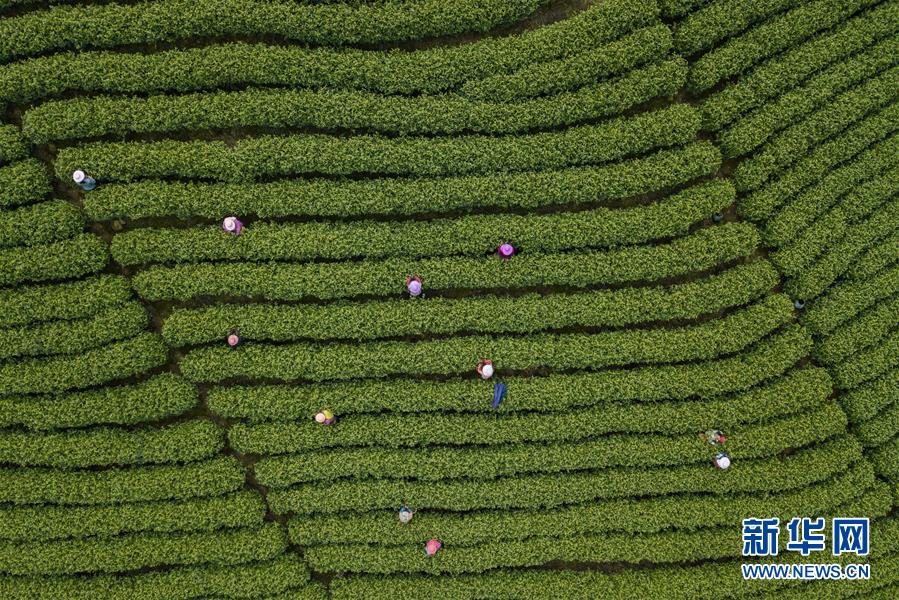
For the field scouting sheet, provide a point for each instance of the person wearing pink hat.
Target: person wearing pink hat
(485, 369)
(413, 285)
(432, 546)
(325, 417)
(506, 251)
(233, 338)
(232, 225)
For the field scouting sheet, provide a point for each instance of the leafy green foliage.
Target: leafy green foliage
(161, 396)
(92, 367)
(851, 337)
(24, 305)
(403, 196)
(39, 523)
(523, 314)
(700, 30)
(250, 580)
(211, 477)
(70, 337)
(40, 223)
(168, 20)
(650, 515)
(269, 156)
(140, 550)
(468, 235)
(23, 182)
(457, 355)
(563, 74)
(702, 250)
(870, 363)
(767, 360)
(13, 145)
(427, 71)
(181, 442)
(845, 300)
(84, 254)
(785, 71)
(755, 128)
(800, 469)
(335, 109)
(769, 38)
(846, 109)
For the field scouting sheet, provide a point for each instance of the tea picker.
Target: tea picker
(722, 461)
(233, 338)
(406, 514)
(485, 369)
(232, 225)
(325, 417)
(413, 286)
(506, 251)
(714, 436)
(432, 546)
(84, 181)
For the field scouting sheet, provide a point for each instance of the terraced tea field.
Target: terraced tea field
(702, 197)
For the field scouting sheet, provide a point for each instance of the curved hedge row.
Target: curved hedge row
(13, 145)
(141, 550)
(71, 337)
(843, 301)
(457, 355)
(853, 177)
(768, 359)
(782, 73)
(855, 335)
(802, 390)
(814, 166)
(502, 460)
(650, 515)
(39, 523)
(25, 305)
(23, 182)
(475, 235)
(769, 38)
(815, 280)
(523, 314)
(402, 196)
(662, 547)
(110, 25)
(161, 396)
(798, 470)
(880, 428)
(249, 580)
(40, 223)
(757, 127)
(848, 108)
(426, 71)
(269, 156)
(703, 28)
(563, 74)
(868, 364)
(81, 255)
(347, 109)
(699, 251)
(876, 259)
(182, 442)
(92, 367)
(213, 477)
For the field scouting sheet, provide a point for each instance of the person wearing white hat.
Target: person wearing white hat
(722, 461)
(232, 225)
(84, 181)
(406, 514)
(485, 369)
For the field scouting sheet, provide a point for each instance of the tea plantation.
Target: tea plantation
(655, 219)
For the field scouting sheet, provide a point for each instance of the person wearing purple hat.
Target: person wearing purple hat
(413, 285)
(84, 181)
(506, 251)
(232, 225)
